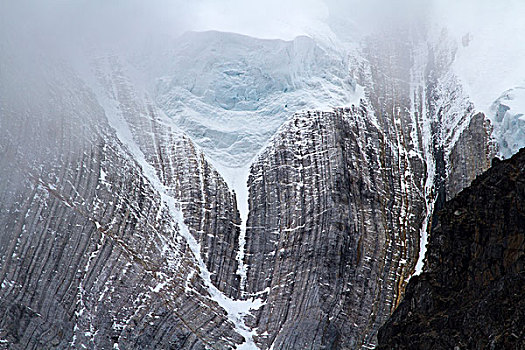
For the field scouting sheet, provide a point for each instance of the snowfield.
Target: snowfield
(230, 93)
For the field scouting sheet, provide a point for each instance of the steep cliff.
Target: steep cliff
(471, 293)
(115, 231)
(118, 232)
(331, 233)
(341, 202)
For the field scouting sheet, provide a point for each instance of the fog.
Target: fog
(118, 22)
(125, 20)
(63, 27)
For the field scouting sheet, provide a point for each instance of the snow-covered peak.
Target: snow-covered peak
(231, 92)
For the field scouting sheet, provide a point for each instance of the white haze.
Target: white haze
(492, 62)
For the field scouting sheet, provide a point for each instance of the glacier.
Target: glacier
(508, 118)
(230, 93)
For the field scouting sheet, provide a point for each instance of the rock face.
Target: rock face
(208, 205)
(470, 155)
(339, 199)
(471, 293)
(93, 249)
(116, 232)
(326, 231)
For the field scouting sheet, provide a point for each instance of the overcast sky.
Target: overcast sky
(496, 27)
(285, 19)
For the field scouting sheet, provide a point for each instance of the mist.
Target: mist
(128, 101)
(61, 23)
(67, 29)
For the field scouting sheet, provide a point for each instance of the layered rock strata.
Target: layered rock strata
(331, 231)
(341, 202)
(116, 231)
(92, 252)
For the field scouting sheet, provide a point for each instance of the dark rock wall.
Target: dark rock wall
(471, 293)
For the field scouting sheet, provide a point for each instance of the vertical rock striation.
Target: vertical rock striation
(341, 202)
(91, 253)
(209, 206)
(117, 232)
(331, 231)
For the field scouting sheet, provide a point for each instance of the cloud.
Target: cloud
(493, 61)
(264, 19)
(59, 26)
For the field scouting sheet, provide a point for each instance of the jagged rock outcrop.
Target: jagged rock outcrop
(471, 293)
(461, 144)
(470, 155)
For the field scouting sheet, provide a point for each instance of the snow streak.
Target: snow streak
(418, 96)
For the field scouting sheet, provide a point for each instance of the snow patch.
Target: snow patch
(418, 84)
(102, 175)
(508, 118)
(237, 180)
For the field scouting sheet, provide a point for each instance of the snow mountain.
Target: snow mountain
(227, 192)
(230, 93)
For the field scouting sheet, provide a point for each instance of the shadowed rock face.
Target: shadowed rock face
(471, 293)
(469, 157)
